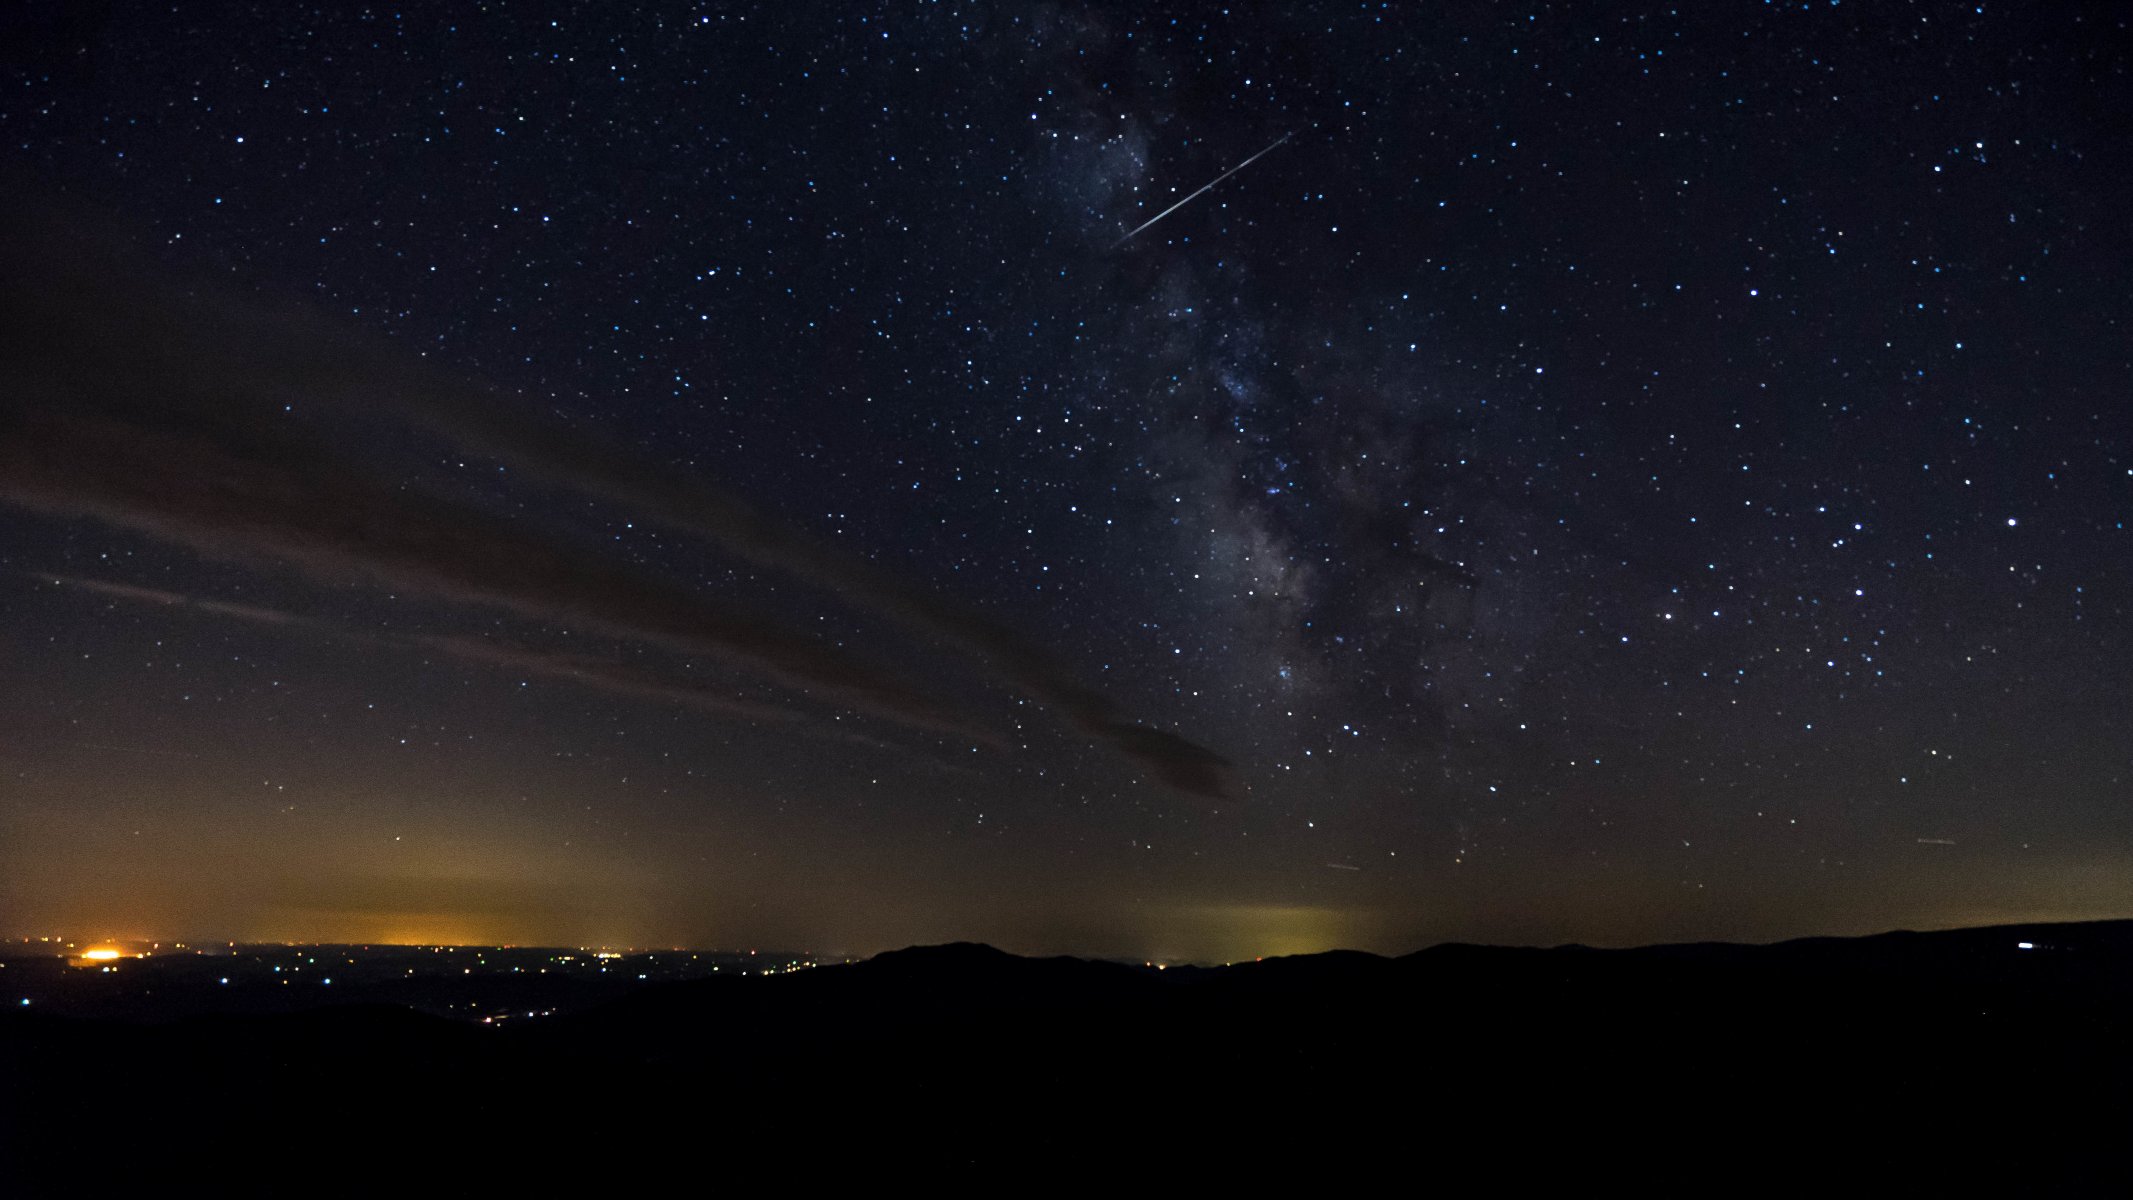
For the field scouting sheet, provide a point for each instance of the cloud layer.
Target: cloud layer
(179, 414)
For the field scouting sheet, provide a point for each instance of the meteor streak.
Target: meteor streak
(1204, 187)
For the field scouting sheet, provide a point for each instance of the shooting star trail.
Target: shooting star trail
(1209, 184)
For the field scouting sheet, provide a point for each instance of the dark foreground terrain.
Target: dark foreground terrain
(1921, 1064)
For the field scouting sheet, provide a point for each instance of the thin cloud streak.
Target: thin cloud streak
(590, 465)
(294, 503)
(587, 671)
(583, 669)
(169, 413)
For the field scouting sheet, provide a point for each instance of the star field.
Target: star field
(1611, 474)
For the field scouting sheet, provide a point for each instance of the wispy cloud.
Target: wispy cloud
(592, 465)
(516, 657)
(585, 670)
(171, 412)
(287, 501)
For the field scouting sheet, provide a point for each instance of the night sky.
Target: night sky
(726, 476)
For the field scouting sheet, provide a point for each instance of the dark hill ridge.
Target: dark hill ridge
(1923, 1055)
(964, 975)
(1764, 1004)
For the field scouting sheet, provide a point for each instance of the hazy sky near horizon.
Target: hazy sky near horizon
(743, 476)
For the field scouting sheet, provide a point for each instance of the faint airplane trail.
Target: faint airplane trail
(133, 750)
(1204, 187)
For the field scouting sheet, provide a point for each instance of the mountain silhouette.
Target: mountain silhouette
(1839, 1064)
